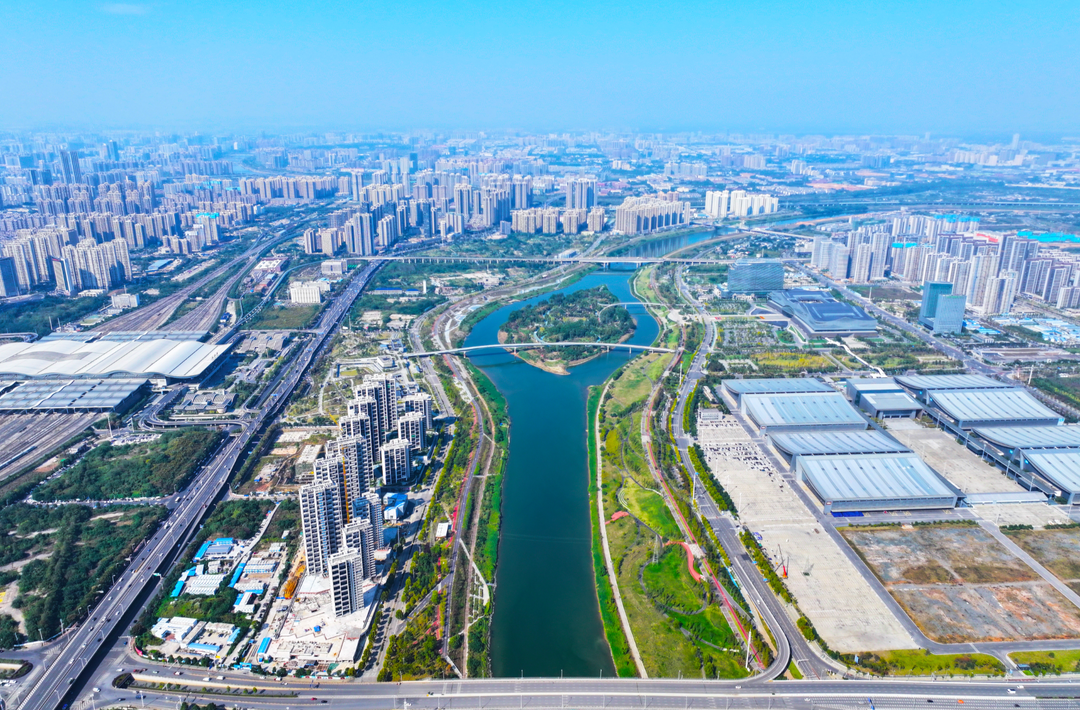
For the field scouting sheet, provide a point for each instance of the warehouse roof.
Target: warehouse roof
(1060, 466)
(837, 442)
(777, 385)
(950, 382)
(102, 358)
(1032, 437)
(873, 477)
(801, 409)
(872, 384)
(891, 401)
(70, 394)
(1007, 405)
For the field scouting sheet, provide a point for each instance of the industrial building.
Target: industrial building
(1060, 468)
(874, 482)
(957, 410)
(173, 360)
(818, 313)
(835, 443)
(772, 385)
(806, 411)
(922, 385)
(114, 395)
(1016, 449)
(889, 405)
(856, 386)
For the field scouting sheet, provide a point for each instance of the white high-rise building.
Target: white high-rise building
(412, 428)
(396, 461)
(320, 519)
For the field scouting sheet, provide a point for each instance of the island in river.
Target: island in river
(589, 315)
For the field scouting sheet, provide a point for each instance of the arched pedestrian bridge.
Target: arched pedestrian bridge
(513, 347)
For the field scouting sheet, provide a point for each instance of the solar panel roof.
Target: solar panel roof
(69, 394)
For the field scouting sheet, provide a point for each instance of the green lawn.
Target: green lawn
(285, 317)
(1048, 662)
(922, 663)
(668, 582)
(649, 507)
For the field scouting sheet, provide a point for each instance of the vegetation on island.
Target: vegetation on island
(151, 469)
(589, 315)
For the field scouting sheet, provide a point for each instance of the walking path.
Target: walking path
(604, 541)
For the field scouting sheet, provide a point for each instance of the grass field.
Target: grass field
(669, 582)
(1048, 662)
(285, 317)
(650, 508)
(793, 362)
(924, 663)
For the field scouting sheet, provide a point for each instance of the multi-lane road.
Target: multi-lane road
(82, 644)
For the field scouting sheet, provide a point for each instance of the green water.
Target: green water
(547, 621)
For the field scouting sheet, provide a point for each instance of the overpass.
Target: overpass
(514, 347)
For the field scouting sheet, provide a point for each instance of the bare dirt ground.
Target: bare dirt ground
(1056, 550)
(960, 585)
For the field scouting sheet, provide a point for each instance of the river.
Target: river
(547, 621)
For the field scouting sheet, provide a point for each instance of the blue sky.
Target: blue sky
(949, 66)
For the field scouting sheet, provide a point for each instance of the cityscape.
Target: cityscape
(334, 392)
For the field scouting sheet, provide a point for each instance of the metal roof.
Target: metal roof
(1063, 437)
(102, 358)
(1007, 405)
(70, 394)
(778, 385)
(872, 477)
(1032, 437)
(801, 409)
(950, 382)
(837, 442)
(1061, 466)
(890, 401)
(872, 384)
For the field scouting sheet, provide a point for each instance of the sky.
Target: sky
(811, 66)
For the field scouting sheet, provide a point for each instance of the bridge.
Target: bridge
(514, 347)
(597, 260)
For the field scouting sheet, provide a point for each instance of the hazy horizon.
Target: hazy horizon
(773, 67)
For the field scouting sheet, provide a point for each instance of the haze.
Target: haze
(787, 66)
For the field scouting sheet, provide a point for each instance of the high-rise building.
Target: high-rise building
(756, 276)
(321, 519)
(412, 428)
(9, 279)
(419, 402)
(932, 293)
(861, 263)
(580, 193)
(396, 461)
(346, 571)
(949, 316)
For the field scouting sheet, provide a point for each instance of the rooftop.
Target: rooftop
(890, 401)
(70, 394)
(819, 312)
(1032, 437)
(802, 409)
(902, 478)
(1005, 405)
(950, 382)
(776, 385)
(1060, 466)
(103, 358)
(837, 442)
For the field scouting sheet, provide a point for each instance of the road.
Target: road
(81, 644)
(752, 583)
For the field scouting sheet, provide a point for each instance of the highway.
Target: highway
(82, 644)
